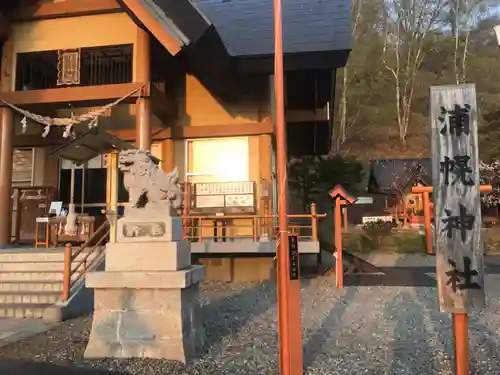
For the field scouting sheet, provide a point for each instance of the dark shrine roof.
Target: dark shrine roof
(399, 174)
(246, 26)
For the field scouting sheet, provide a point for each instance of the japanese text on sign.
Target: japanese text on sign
(456, 121)
(462, 279)
(293, 248)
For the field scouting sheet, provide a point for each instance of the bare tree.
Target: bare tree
(462, 16)
(409, 24)
(366, 20)
(356, 6)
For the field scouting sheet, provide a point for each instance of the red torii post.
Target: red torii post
(425, 191)
(341, 198)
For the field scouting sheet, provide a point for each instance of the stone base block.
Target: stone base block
(155, 256)
(146, 323)
(145, 280)
(149, 227)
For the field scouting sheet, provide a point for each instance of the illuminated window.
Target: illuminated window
(219, 160)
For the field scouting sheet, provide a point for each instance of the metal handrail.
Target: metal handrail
(69, 257)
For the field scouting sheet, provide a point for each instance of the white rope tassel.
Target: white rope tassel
(70, 228)
(24, 124)
(46, 131)
(67, 131)
(93, 123)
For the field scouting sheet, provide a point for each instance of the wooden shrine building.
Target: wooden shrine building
(192, 81)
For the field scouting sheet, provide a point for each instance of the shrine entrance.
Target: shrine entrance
(90, 190)
(90, 183)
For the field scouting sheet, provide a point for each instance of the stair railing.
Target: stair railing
(81, 268)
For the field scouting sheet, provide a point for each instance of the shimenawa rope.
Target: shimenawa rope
(69, 122)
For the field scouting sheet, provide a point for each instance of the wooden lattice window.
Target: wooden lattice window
(68, 67)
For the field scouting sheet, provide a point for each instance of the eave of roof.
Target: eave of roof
(245, 27)
(162, 18)
(317, 33)
(309, 26)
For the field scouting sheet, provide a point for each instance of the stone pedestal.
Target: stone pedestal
(146, 314)
(146, 302)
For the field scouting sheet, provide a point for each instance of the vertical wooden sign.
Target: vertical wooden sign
(455, 170)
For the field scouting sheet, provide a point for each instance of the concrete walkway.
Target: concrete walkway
(12, 330)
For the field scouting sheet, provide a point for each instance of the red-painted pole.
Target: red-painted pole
(427, 224)
(289, 317)
(461, 341)
(339, 266)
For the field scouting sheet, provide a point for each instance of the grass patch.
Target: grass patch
(405, 241)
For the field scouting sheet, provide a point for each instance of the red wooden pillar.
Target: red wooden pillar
(461, 341)
(427, 223)
(289, 309)
(339, 266)
(340, 198)
(6, 151)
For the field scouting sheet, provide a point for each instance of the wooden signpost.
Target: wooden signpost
(340, 198)
(455, 167)
(425, 191)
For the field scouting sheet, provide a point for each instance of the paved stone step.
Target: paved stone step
(31, 286)
(29, 297)
(37, 266)
(40, 256)
(34, 276)
(23, 310)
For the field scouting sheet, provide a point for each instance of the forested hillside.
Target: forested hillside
(400, 49)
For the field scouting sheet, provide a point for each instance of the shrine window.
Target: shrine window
(93, 66)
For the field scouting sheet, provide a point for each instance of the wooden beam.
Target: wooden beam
(36, 140)
(215, 131)
(130, 134)
(68, 8)
(150, 22)
(179, 132)
(76, 94)
(428, 189)
(193, 132)
(307, 115)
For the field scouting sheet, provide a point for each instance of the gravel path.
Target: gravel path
(358, 330)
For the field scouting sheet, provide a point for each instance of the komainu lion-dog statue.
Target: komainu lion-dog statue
(146, 183)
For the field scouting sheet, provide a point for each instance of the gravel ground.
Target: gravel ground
(357, 330)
